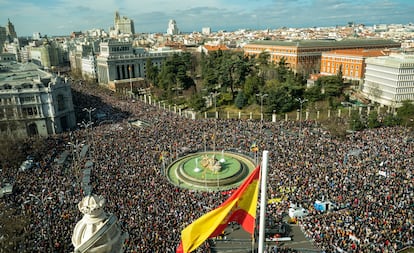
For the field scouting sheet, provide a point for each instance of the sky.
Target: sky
(61, 17)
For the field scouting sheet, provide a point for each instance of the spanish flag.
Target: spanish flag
(239, 207)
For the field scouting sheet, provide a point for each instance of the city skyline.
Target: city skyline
(51, 17)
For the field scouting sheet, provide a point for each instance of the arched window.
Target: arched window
(32, 129)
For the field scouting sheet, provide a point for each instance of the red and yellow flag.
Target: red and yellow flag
(239, 207)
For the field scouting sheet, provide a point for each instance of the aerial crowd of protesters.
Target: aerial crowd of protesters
(367, 174)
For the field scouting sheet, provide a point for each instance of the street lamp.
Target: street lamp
(89, 110)
(301, 101)
(214, 95)
(261, 111)
(261, 104)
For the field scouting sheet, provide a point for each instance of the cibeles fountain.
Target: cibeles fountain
(97, 231)
(210, 170)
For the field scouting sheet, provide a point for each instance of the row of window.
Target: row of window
(405, 90)
(120, 49)
(346, 66)
(345, 72)
(342, 59)
(406, 71)
(405, 97)
(29, 99)
(10, 113)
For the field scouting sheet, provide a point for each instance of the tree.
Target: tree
(373, 121)
(13, 232)
(406, 112)
(391, 120)
(355, 121)
(240, 100)
(251, 87)
(197, 102)
(152, 71)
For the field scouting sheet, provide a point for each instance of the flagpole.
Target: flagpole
(263, 201)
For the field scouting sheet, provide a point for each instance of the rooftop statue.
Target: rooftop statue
(97, 232)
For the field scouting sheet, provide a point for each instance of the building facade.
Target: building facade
(351, 62)
(121, 67)
(3, 37)
(11, 32)
(304, 56)
(33, 102)
(389, 80)
(124, 25)
(49, 54)
(172, 28)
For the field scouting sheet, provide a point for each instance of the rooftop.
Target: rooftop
(325, 43)
(358, 52)
(14, 74)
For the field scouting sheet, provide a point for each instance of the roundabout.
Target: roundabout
(210, 170)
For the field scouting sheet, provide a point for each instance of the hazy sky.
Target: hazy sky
(61, 17)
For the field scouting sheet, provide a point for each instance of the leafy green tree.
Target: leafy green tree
(391, 120)
(355, 122)
(314, 94)
(151, 71)
(282, 70)
(252, 86)
(281, 100)
(373, 121)
(406, 112)
(331, 85)
(197, 102)
(241, 100)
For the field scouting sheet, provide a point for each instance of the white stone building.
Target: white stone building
(33, 102)
(88, 67)
(172, 28)
(120, 66)
(389, 80)
(123, 25)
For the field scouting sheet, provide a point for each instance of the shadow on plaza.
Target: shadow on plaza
(104, 112)
(238, 241)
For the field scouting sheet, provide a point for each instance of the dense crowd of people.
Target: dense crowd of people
(375, 211)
